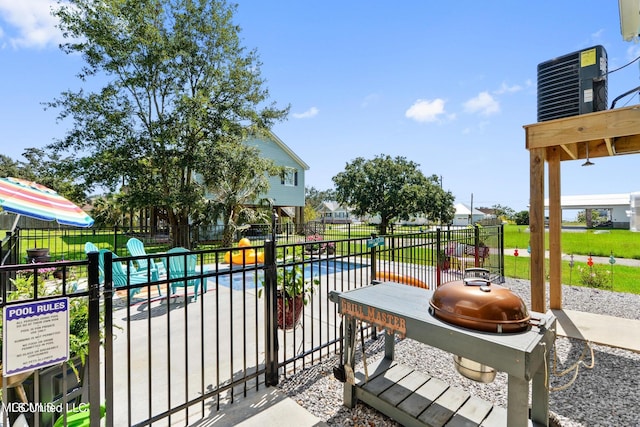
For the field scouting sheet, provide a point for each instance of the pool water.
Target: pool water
(250, 279)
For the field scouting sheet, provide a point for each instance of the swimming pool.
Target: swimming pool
(250, 279)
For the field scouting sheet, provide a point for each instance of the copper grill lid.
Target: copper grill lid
(476, 303)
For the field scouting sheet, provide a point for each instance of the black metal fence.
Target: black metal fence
(67, 243)
(174, 356)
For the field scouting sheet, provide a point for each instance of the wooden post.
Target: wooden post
(536, 229)
(555, 229)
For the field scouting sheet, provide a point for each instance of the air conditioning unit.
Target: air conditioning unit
(573, 84)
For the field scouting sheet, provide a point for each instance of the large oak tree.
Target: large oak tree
(393, 189)
(173, 84)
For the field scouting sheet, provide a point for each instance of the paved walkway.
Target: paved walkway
(579, 258)
(596, 328)
(264, 408)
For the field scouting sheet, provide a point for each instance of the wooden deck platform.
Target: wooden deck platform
(414, 398)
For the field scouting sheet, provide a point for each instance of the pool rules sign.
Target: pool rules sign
(35, 335)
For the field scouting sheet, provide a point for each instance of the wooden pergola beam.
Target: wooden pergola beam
(586, 127)
(601, 134)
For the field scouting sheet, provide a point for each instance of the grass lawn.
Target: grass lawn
(598, 242)
(618, 278)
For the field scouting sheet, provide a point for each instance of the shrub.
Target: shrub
(322, 247)
(595, 277)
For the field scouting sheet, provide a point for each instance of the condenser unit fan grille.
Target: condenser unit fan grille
(572, 84)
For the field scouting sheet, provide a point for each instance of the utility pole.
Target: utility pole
(471, 215)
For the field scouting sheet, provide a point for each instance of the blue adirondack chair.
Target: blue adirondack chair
(91, 247)
(136, 248)
(124, 275)
(180, 264)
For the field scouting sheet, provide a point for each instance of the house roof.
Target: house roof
(289, 151)
(487, 211)
(593, 201)
(331, 205)
(462, 209)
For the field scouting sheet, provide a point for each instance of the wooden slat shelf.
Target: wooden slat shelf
(414, 398)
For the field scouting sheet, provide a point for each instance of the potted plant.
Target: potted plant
(444, 262)
(292, 295)
(330, 247)
(315, 247)
(62, 271)
(319, 246)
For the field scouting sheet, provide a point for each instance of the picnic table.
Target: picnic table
(414, 398)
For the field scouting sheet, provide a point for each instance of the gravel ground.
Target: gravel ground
(606, 395)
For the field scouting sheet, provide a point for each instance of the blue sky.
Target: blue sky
(449, 85)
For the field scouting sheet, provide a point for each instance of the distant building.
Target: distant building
(616, 209)
(488, 213)
(463, 215)
(332, 212)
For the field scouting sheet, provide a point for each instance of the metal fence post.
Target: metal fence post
(438, 252)
(476, 243)
(94, 339)
(501, 250)
(374, 273)
(270, 308)
(108, 343)
(115, 239)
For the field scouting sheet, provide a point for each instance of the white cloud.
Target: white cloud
(28, 23)
(370, 100)
(504, 88)
(426, 110)
(597, 36)
(484, 104)
(633, 51)
(311, 112)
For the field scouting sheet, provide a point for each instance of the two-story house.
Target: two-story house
(287, 190)
(331, 212)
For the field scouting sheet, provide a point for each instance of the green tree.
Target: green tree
(315, 197)
(175, 83)
(522, 218)
(312, 200)
(48, 170)
(393, 189)
(54, 171)
(8, 166)
(503, 212)
(583, 217)
(310, 213)
(237, 181)
(107, 211)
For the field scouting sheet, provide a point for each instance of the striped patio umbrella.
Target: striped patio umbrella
(31, 199)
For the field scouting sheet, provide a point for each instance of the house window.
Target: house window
(289, 177)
